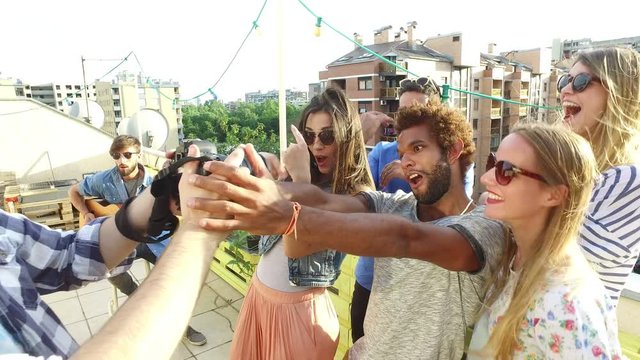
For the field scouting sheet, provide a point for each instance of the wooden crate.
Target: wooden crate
(55, 213)
(225, 265)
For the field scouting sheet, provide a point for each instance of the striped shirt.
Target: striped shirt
(610, 236)
(36, 260)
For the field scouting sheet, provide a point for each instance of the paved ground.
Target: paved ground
(84, 311)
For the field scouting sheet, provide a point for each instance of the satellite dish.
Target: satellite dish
(96, 114)
(122, 126)
(149, 126)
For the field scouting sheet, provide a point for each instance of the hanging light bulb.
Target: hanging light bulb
(316, 32)
(257, 29)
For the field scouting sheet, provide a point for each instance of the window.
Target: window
(77, 87)
(456, 38)
(476, 84)
(57, 87)
(59, 103)
(68, 87)
(544, 86)
(475, 124)
(58, 95)
(365, 83)
(476, 104)
(69, 95)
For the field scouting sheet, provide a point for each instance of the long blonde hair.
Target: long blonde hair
(616, 137)
(352, 173)
(564, 158)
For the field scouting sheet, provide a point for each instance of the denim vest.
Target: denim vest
(319, 269)
(109, 185)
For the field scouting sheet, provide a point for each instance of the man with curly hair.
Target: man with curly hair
(433, 254)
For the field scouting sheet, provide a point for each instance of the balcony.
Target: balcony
(496, 92)
(388, 69)
(495, 113)
(524, 93)
(389, 92)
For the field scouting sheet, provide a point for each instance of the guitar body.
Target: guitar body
(99, 207)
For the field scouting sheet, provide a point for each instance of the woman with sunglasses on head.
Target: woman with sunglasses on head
(287, 312)
(601, 102)
(544, 300)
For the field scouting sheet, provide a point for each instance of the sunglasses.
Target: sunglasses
(326, 137)
(127, 155)
(579, 82)
(506, 171)
(426, 84)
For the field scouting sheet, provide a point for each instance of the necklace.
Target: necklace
(467, 207)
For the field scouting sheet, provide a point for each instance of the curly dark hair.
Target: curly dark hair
(447, 125)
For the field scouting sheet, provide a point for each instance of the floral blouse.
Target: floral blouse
(563, 322)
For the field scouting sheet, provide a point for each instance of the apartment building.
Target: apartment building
(296, 97)
(564, 49)
(129, 93)
(57, 95)
(521, 77)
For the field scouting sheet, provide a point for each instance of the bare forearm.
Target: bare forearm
(77, 200)
(382, 236)
(114, 247)
(311, 195)
(151, 323)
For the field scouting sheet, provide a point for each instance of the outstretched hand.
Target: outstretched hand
(296, 158)
(254, 204)
(188, 191)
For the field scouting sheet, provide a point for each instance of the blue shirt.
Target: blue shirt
(109, 185)
(382, 154)
(36, 260)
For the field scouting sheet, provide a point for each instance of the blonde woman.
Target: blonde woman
(601, 102)
(544, 301)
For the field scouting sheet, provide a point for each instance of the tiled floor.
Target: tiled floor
(84, 311)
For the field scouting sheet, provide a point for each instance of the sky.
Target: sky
(193, 41)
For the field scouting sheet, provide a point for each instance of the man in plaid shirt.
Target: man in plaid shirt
(35, 260)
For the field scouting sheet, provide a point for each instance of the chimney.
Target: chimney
(491, 48)
(357, 38)
(411, 27)
(381, 35)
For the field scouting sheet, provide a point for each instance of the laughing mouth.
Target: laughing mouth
(570, 109)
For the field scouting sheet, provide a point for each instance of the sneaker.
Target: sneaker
(194, 337)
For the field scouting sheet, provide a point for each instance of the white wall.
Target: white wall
(34, 134)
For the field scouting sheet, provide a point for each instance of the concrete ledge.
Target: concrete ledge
(632, 287)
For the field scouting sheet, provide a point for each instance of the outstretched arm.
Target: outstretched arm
(151, 323)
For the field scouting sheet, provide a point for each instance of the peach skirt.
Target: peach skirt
(280, 325)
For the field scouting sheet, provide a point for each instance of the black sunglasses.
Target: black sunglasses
(326, 137)
(579, 82)
(127, 155)
(506, 171)
(427, 85)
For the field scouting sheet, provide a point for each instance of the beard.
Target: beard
(439, 180)
(128, 170)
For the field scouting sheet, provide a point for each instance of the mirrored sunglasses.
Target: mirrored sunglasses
(579, 82)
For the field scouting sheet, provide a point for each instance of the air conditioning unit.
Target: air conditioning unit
(383, 102)
(382, 78)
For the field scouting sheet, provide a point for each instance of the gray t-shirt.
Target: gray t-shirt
(414, 311)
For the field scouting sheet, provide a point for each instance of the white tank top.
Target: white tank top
(273, 270)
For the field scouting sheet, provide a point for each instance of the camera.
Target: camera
(207, 148)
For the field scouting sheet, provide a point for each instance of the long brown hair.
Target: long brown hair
(351, 174)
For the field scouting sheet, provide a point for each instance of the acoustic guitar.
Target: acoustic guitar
(99, 207)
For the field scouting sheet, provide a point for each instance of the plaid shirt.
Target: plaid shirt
(36, 260)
